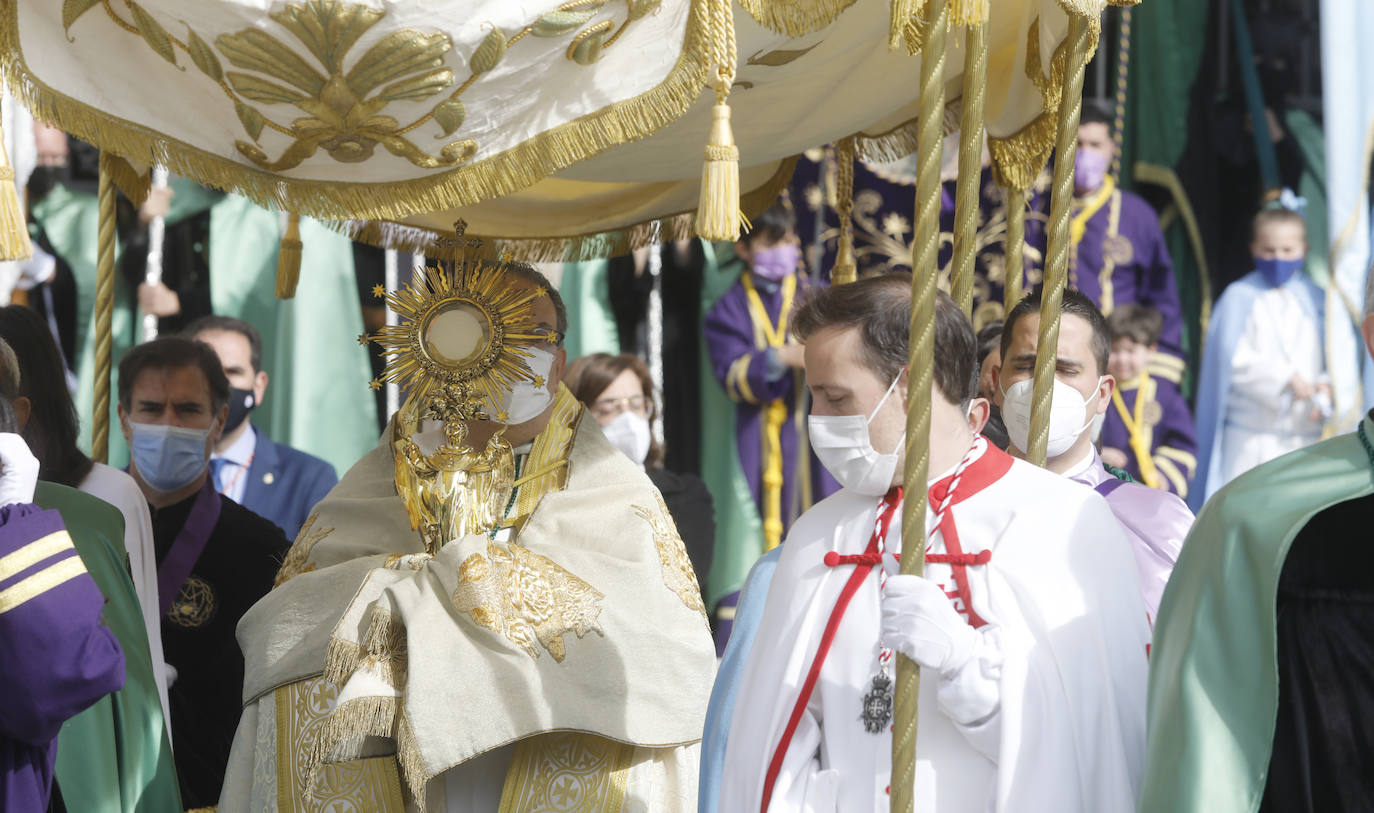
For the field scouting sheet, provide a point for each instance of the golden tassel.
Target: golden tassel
(289, 258)
(846, 267)
(968, 12)
(903, 17)
(718, 210)
(14, 232)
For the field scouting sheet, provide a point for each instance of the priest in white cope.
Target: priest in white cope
(1028, 626)
(1155, 521)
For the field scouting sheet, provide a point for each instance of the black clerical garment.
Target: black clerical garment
(1323, 758)
(235, 569)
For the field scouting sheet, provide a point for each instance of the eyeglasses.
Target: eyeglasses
(611, 407)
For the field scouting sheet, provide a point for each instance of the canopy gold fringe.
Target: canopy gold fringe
(132, 183)
(289, 258)
(795, 18)
(496, 176)
(104, 307)
(900, 141)
(846, 267)
(925, 270)
(14, 232)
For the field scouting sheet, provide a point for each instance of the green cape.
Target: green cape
(1214, 687)
(114, 756)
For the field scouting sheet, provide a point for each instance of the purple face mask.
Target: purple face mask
(1089, 170)
(776, 262)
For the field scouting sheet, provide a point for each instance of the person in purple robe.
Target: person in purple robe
(1148, 431)
(215, 558)
(759, 364)
(1119, 255)
(1155, 521)
(57, 658)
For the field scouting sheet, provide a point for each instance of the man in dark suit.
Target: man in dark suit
(270, 479)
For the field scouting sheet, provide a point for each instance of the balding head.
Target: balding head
(9, 372)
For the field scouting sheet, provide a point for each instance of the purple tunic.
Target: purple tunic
(57, 657)
(1169, 431)
(1155, 521)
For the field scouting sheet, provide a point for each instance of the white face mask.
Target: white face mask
(629, 433)
(1066, 414)
(525, 399)
(845, 449)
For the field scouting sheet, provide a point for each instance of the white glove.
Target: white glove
(920, 623)
(18, 470)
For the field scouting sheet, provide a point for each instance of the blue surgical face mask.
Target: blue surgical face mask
(168, 457)
(1276, 272)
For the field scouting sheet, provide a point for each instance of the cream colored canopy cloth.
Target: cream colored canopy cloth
(445, 662)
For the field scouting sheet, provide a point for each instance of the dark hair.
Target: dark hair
(533, 276)
(589, 376)
(772, 224)
(1096, 112)
(173, 353)
(9, 419)
(1138, 323)
(989, 339)
(229, 324)
(1273, 216)
(880, 307)
(1074, 304)
(53, 425)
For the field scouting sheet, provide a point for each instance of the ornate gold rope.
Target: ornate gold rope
(846, 266)
(104, 308)
(1057, 254)
(966, 201)
(1015, 269)
(924, 266)
(1123, 64)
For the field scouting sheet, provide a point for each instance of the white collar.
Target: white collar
(1078, 469)
(242, 450)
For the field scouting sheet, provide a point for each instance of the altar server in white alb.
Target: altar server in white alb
(1028, 625)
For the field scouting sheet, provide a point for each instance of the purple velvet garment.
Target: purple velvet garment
(1156, 523)
(56, 658)
(1173, 439)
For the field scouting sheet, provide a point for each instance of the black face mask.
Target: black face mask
(44, 178)
(241, 402)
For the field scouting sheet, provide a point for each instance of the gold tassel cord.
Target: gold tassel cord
(1015, 269)
(846, 267)
(1057, 253)
(289, 258)
(967, 194)
(14, 232)
(971, 13)
(718, 208)
(925, 268)
(104, 308)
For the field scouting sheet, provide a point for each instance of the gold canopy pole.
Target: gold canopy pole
(1015, 270)
(104, 309)
(925, 269)
(1057, 253)
(966, 201)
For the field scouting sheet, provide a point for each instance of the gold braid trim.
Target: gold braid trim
(1018, 158)
(104, 308)
(795, 18)
(344, 730)
(516, 168)
(900, 141)
(573, 248)
(411, 761)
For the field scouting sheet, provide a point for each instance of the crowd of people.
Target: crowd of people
(227, 624)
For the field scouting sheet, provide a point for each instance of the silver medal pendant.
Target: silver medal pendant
(877, 704)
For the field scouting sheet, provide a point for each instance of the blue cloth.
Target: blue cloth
(722, 706)
(285, 483)
(1229, 318)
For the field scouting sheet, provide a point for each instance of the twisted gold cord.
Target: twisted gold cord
(1057, 254)
(1015, 269)
(966, 201)
(1123, 64)
(846, 265)
(924, 266)
(104, 308)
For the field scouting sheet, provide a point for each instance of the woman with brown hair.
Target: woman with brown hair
(618, 393)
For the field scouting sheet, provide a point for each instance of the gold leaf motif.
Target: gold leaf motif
(204, 58)
(71, 9)
(328, 28)
(643, 8)
(255, 50)
(489, 54)
(297, 559)
(153, 33)
(396, 55)
(678, 574)
(527, 599)
(586, 46)
(418, 88)
(261, 90)
(459, 151)
(559, 22)
(449, 115)
(780, 57)
(250, 118)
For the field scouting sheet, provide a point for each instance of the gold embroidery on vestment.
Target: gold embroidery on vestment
(194, 605)
(297, 559)
(552, 773)
(678, 574)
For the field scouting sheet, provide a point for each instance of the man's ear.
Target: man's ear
(259, 387)
(124, 428)
(23, 408)
(1105, 390)
(997, 378)
(217, 431)
(979, 410)
(560, 366)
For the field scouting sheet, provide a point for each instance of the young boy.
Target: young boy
(1148, 430)
(1263, 390)
(754, 356)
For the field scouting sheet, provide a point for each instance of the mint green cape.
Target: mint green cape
(114, 756)
(1214, 687)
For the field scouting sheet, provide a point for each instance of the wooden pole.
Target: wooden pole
(925, 268)
(104, 309)
(967, 194)
(1057, 253)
